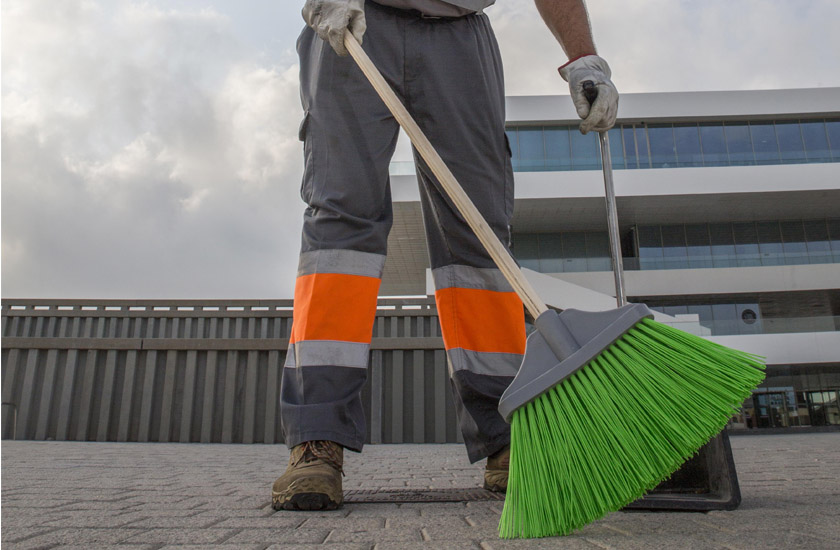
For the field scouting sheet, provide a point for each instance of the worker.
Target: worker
(441, 58)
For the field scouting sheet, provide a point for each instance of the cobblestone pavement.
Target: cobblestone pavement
(169, 496)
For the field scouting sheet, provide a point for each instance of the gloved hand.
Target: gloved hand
(332, 18)
(600, 116)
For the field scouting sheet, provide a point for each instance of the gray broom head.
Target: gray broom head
(562, 344)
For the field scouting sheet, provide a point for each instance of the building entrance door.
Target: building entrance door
(823, 408)
(771, 410)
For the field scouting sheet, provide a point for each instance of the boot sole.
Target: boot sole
(307, 502)
(495, 488)
(314, 492)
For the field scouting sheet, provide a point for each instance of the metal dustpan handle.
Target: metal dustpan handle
(477, 223)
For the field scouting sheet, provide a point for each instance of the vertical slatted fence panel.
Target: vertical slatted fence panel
(272, 396)
(188, 397)
(65, 408)
(160, 371)
(209, 394)
(48, 385)
(11, 359)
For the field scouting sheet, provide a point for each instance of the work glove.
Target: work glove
(600, 116)
(332, 18)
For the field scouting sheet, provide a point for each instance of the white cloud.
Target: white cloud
(145, 154)
(255, 104)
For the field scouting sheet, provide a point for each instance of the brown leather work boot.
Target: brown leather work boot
(312, 480)
(496, 471)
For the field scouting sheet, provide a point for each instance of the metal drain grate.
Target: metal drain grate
(420, 495)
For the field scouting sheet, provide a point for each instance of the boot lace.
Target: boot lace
(311, 451)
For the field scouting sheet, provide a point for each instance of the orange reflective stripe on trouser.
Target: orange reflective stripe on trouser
(334, 306)
(481, 320)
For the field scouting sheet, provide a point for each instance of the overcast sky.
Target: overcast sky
(149, 149)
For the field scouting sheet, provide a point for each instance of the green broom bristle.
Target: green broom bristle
(619, 426)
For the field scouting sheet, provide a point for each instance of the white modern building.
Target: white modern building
(729, 209)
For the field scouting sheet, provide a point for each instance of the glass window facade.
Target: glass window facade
(765, 143)
(757, 314)
(557, 148)
(687, 144)
(738, 244)
(634, 146)
(686, 246)
(567, 252)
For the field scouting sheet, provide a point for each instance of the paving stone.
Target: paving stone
(340, 513)
(99, 506)
(26, 522)
(374, 536)
(274, 521)
(827, 526)
(553, 543)
(375, 509)
(229, 504)
(432, 533)
(645, 524)
(141, 512)
(89, 521)
(146, 500)
(234, 513)
(181, 536)
(694, 541)
(82, 537)
(349, 523)
(13, 534)
(433, 545)
(485, 507)
(276, 536)
(38, 502)
(177, 522)
(444, 529)
(339, 546)
(439, 508)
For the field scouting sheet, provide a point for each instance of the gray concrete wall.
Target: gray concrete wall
(201, 371)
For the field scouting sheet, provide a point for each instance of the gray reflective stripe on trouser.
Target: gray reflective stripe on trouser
(310, 353)
(463, 276)
(486, 363)
(346, 262)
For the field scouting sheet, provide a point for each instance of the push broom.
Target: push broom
(606, 404)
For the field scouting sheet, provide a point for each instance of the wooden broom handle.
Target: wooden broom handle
(465, 206)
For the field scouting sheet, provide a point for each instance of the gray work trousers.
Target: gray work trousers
(448, 73)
